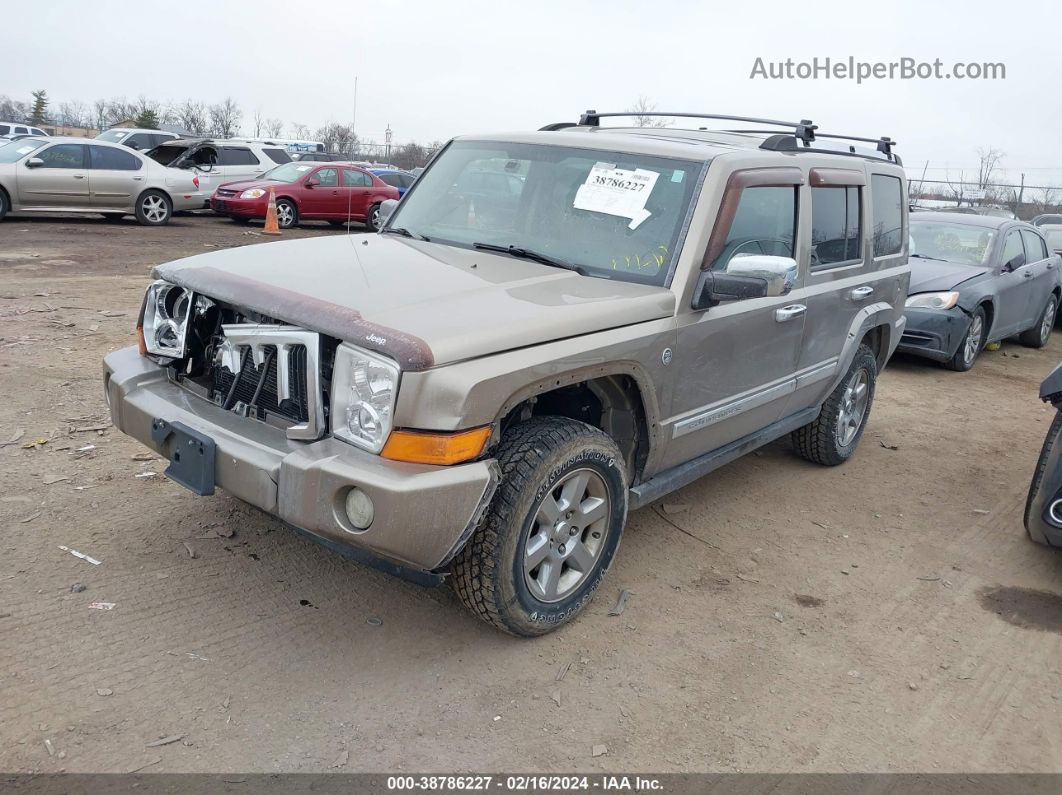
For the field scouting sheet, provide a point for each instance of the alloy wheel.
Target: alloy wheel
(285, 215)
(1049, 320)
(854, 404)
(567, 535)
(973, 340)
(154, 208)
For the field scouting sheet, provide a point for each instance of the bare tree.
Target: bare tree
(73, 114)
(225, 118)
(339, 138)
(299, 130)
(192, 116)
(641, 110)
(259, 121)
(989, 162)
(99, 114)
(1048, 200)
(274, 128)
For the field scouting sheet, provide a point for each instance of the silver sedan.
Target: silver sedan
(74, 175)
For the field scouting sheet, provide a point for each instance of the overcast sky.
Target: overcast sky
(432, 69)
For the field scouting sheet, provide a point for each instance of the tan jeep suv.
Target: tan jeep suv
(552, 328)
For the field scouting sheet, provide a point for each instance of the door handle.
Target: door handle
(1027, 274)
(79, 176)
(789, 312)
(859, 293)
(1050, 266)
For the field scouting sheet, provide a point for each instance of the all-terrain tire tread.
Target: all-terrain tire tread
(814, 441)
(522, 448)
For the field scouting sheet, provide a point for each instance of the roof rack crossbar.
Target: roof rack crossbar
(803, 129)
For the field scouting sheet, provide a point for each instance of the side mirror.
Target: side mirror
(310, 183)
(387, 207)
(34, 162)
(1015, 262)
(779, 272)
(133, 145)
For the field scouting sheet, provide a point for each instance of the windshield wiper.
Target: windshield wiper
(526, 253)
(926, 256)
(401, 230)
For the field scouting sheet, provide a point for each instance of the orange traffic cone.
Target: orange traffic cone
(271, 225)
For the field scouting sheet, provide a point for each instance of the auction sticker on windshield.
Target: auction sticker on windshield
(617, 191)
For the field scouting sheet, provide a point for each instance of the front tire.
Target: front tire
(153, 208)
(551, 531)
(832, 437)
(287, 213)
(5, 205)
(971, 345)
(1040, 334)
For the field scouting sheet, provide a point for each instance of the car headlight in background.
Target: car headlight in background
(165, 326)
(253, 193)
(932, 300)
(364, 386)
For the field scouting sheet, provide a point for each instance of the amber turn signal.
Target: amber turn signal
(420, 447)
(140, 344)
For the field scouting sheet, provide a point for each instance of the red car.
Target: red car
(333, 192)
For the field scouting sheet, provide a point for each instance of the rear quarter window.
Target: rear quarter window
(277, 155)
(886, 214)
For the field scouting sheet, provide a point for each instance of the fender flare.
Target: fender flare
(877, 315)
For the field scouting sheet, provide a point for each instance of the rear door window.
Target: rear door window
(237, 156)
(1012, 247)
(21, 131)
(886, 196)
(277, 155)
(1035, 250)
(356, 179)
(104, 157)
(835, 225)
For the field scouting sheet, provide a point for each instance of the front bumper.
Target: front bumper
(934, 333)
(244, 208)
(423, 514)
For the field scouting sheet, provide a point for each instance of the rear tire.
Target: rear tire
(5, 204)
(1040, 334)
(972, 344)
(372, 220)
(553, 526)
(153, 208)
(832, 437)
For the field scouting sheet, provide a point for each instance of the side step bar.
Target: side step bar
(670, 480)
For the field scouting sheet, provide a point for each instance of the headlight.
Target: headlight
(933, 300)
(364, 386)
(253, 193)
(166, 308)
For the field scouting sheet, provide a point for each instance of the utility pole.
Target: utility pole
(387, 140)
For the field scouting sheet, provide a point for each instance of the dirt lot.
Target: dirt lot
(791, 618)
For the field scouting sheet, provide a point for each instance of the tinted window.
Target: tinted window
(887, 207)
(114, 159)
(328, 177)
(835, 225)
(763, 224)
(1012, 247)
(237, 156)
(4, 129)
(63, 156)
(356, 179)
(21, 130)
(395, 180)
(139, 141)
(1035, 250)
(277, 155)
(36, 131)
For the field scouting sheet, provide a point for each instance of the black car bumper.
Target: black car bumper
(934, 333)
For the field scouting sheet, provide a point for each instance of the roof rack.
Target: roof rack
(805, 131)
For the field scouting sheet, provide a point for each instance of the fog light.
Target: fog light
(360, 510)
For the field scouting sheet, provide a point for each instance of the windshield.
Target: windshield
(1054, 238)
(16, 150)
(289, 172)
(962, 243)
(611, 214)
(114, 136)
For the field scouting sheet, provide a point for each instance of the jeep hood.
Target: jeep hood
(421, 303)
(932, 276)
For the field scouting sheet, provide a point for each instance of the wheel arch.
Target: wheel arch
(616, 401)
